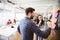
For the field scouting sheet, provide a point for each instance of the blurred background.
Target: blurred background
(14, 10)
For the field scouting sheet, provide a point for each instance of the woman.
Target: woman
(41, 25)
(9, 22)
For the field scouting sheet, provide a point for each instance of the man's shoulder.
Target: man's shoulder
(22, 20)
(25, 20)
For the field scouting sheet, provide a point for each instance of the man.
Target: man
(27, 27)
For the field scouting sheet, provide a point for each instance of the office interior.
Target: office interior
(15, 9)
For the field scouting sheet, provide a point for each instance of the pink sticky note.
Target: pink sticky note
(56, 14)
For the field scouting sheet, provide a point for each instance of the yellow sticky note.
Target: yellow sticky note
(55, 19)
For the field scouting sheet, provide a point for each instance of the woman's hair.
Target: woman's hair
(42, 21)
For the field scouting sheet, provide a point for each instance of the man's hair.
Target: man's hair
(29, 9)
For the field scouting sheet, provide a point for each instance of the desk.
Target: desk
(7, 33)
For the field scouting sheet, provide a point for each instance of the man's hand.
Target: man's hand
(51, 25)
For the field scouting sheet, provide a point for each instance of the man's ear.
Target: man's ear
(29, 13)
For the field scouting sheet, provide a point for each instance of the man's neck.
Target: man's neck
(28, 17)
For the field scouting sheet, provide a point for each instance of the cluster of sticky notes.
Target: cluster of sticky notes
(54, 19)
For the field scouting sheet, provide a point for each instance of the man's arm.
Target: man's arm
(40, 33)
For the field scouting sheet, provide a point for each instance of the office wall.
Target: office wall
(9, 11)
(6, 12)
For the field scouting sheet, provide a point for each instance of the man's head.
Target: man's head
(30, 12)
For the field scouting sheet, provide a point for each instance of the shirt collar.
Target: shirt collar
(28, 18)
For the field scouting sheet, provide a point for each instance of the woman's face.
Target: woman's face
(39, 17)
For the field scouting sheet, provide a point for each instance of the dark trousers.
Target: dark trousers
(38, 38)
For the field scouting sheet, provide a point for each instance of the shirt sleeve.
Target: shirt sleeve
(40, 33)
(18, 28)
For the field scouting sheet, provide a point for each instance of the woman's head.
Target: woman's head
(40, 17)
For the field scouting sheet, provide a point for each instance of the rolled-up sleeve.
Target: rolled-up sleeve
(40, 33)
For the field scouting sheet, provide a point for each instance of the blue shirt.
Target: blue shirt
(27, 29)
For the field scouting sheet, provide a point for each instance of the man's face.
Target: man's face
(32, 15)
